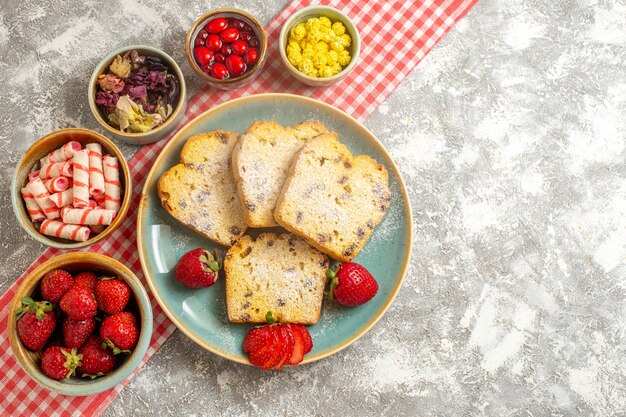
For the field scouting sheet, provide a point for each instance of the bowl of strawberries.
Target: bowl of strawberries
(80, 323)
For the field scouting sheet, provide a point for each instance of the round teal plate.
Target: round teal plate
(201, 314)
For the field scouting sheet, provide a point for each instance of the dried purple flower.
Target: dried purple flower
(155, 63)
(107, 100)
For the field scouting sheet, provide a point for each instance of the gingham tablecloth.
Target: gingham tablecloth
(395, 36)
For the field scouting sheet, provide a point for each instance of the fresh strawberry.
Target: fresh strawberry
(86, 279)
(79, 303)
(96, 359)
(120, 332)
(351, 284)
(54, 284)
(270, 346)
(302, 343)
(76, 332)
(35, 323)
(112, 295)
(59, 363)
(198, 268)
(286, 346)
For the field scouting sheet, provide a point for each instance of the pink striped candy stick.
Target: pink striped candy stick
(64, 153)
(64, 231)
(100, 199)
(34, 211)
(41, 196)
(96, 176)
(33, 175)
(81, 179)
(112, 190)
(56, 169)
(87, 216)
(62, 199)
(56, 184)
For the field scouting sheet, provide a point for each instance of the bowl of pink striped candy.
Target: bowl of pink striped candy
(71, 188)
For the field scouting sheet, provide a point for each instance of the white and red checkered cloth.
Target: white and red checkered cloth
(395, 36)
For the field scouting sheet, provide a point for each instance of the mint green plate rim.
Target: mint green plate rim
(148, 200)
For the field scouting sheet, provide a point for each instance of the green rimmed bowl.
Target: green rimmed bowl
(201, 313)
(139, 304)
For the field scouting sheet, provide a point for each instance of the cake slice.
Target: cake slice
(261, 160)
(279, 273)
(332, 199)
(200, 191)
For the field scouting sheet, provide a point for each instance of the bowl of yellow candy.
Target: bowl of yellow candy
(319, 45)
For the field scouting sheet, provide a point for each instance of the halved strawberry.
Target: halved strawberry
(297, 353)
(260, 344)
(287, 338)
(308, 342)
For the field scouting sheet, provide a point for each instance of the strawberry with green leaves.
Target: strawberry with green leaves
(35, 323)
(351, 284)
(120, 332)
(59, 363)
(97, 359)
(198, 268)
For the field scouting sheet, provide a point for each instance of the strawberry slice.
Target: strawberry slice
(297, 354)
(287, 337)
(260, 344)
(308, 342)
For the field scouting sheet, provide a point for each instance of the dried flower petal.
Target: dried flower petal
(120, 67)
(155, 63)
(111, 83)
(107, 100)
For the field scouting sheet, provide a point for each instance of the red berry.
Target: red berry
(58, 363)
(287, 345)
(198, 42)
(120, 331)
(247, 27)
(220, 57)
(226, 50)
(202, 34)
(220, 71)
(351, 284)
(301, 338)
(86, 279)
(112, 295)
(239, 47)
(236, 23)
(229, 35)
(35, 323)
(79, 303)
(96, 360)
(216, 25)
(203, 55)
(259, 345)
(254, 42)
(245, 36)
(235, 64)
(251, 56)
(214, 43)
(76, 332)
(54, 284)
(198, 268)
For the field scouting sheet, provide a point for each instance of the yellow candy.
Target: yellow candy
(293, 46)
(321, 47)
(344, 58)
(338, 28)
(333, 57)
(336, 45)
(295, 58)
(311, 23)
(299, 32)
(326, 72)
(324, 21)
(320, 61)
(336, 68)
(345, 40)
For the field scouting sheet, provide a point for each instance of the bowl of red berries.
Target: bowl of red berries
(80, 323)
(227, 47)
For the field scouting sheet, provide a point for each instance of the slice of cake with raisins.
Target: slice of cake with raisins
(332, 199)
(261, 160)
(279, 273)
(200, 192)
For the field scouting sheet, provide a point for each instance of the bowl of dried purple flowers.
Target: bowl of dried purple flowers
(138, 94)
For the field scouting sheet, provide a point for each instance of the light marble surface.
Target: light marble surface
(510, 136)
